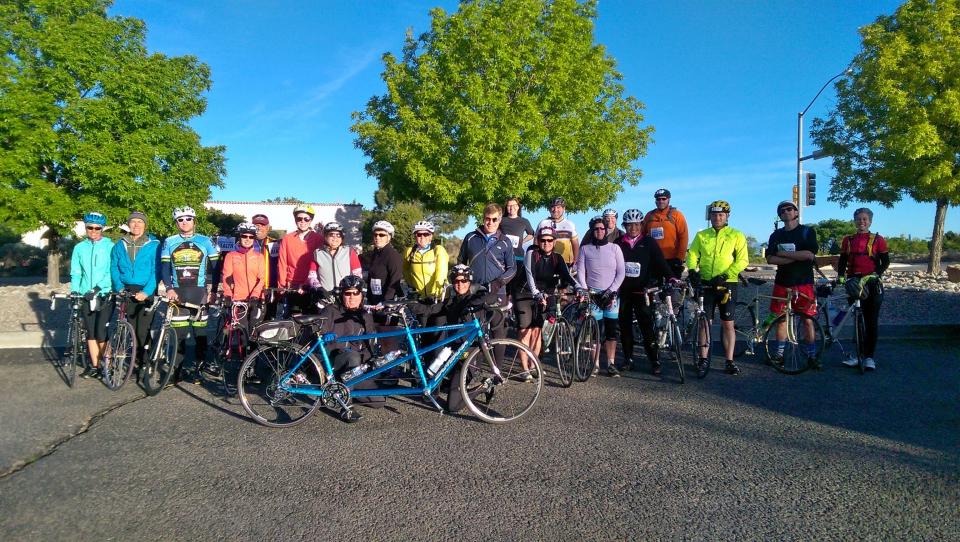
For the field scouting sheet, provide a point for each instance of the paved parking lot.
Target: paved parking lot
(825, 455)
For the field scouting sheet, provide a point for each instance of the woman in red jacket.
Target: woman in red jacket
(243, 275)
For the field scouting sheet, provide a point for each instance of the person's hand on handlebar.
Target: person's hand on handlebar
(718, 280)
(172, 295)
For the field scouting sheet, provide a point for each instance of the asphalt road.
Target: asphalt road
(825, 455)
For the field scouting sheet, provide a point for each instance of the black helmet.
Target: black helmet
(662, 193)
(460, 270)
(597, 220)
(352, 282)
(558, 201)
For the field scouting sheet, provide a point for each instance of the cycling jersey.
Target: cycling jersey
(188, 261)
(669, 228)
(717, 253)
(860, 256)
(295, 257)
(426, 271)
(90, 266)
(566, 235)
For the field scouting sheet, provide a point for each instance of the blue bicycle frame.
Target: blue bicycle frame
(469, 332)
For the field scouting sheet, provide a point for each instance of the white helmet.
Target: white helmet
(423, 225)
(181, 212)
(383, 225)
(632, 216)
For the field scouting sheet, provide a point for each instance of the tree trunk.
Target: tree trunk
(936, 242)
(53, 260)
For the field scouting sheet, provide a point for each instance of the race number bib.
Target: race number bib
(376, 287)
(631, 269)
(787, 247)
(656, 233)
(514, 240)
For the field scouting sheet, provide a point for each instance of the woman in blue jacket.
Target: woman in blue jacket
(133, 267)
(90, 276)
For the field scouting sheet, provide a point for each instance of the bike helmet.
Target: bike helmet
(632, 216)
(786, 203)
(181, 212)
(384, 226)
(423, 225)
(610, 212)
(719, 206)
(547, 231)
(662, 193)
(332, 226)
(304, 209)
(597, 220)
(558, 201)
(94, 217)
(460, 270)
(352, 282)
(244, 227)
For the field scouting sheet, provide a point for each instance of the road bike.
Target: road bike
(747, 326)
(75, 354)
(282, 383)
(557, 335)
(586, 336)
(698, 334)
(665, 324)
(121, 352)
(837, 309)
(230, 345)
(161, 363)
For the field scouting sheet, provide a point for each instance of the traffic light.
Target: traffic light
(811, 189)
(796, 196)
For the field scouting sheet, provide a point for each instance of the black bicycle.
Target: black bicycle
(76, 353)
(121, 353)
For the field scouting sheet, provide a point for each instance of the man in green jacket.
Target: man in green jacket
(715, 259)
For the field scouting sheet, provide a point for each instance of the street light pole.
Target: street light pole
(816, 154)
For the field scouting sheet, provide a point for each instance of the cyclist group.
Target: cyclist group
(610, 266)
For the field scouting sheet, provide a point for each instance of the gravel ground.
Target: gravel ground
(910, 298)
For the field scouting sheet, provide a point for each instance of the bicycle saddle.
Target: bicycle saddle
(306, 319)
(755, 281)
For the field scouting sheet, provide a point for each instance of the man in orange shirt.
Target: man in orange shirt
(668, 227)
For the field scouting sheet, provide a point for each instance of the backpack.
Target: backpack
(848, 239)
(669, 216)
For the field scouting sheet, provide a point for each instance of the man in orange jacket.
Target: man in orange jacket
(667, 225)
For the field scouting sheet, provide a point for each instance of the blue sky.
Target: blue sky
(722, 81)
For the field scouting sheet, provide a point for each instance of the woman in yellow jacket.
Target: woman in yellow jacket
(424, 265)
(715, 259)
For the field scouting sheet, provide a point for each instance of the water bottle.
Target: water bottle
(769, 319)
(841, 313)
(355, 372)
(390, 357)
(438, 362)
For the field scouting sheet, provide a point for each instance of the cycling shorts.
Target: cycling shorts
(804, 302)
(723, 299)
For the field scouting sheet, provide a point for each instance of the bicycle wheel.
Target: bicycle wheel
(675, 344)
(699, 340)
(499, 393)
(73, 355)
(161, 362)
(565, 353)
(796, 358)
(744, 327)
(860, 334)
(231, 354)
(120, 356)
(258, 385)
(588, 348)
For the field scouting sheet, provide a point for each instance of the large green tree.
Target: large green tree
(90, 121)
(501, 98)
(895, 131)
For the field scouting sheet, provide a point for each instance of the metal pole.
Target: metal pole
(799, 165)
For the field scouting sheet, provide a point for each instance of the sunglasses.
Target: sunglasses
(460, 281)
(94, 228)
(423, 234)
(381, 235)
(661, 199)
(782, 209)
(351, 293)
(304, 219)
(599, 229)
(546, 240)
(493, 219)
(247, 237)
(185, 219)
